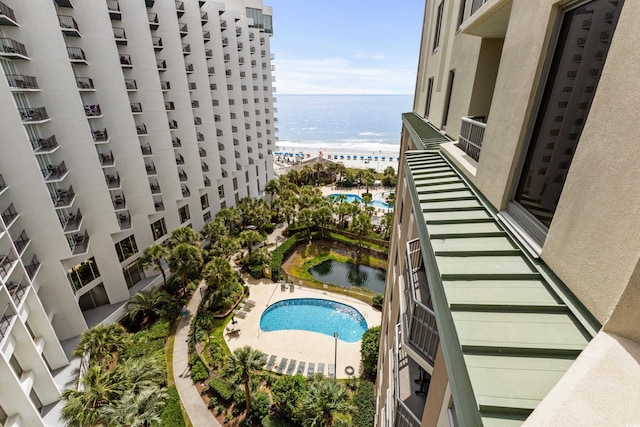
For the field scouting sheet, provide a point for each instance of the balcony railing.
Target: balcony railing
(100, 135)
(106, 159)
(471, 135)
(71, 223)
(180, 159)
(157, 43)
(185, 191)
(195, 104)
(186, 48)
(44, 145)
(159, 205)
(173, 124)
(130, 84)
(125, 60)
(203, 152)
(146, 150)
(7, 17)
(119, 202)
(92, 110)
(204, 17)
(188, 68)
(84, 83)
(29, 115)
(136, 107)
(184, 29)
(169, 106)
(12, 48)
(120, 35)
(155, 187)
(32, 267)
(403, 367)
(182, 175)
(206, 35)
(6, 263)
(124, 220)
(162, 64)
(477, 4)
(21, 242)
(208, 53)
(113, 181)
(420, 328)
(68, 25)
(199, 136)
(180, 7)
(207, 181)
(76, 54)
(3, 184)
(63, 198)
(141, 129)
(9, 215)
(17, 290)
(78, 243)
(175, 141)
(151, 169)
(55, 173)
(192, 86)
(165, 85)
(20, 81)
(204, 167)
(153, 21)
(197, 121)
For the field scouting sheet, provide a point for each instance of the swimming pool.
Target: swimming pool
(315, 315)
(351, 197)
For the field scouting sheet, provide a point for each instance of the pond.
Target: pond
(347, 275)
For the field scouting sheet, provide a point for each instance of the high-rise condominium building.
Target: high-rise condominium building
(120, 121)
(514, 278)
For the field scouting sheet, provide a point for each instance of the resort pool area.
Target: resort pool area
(351, 197)
(315, 315)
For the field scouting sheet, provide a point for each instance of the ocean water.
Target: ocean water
(341, 123)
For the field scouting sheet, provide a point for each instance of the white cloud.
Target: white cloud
(342, 76)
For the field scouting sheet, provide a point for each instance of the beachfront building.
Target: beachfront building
(121, 121)
(514, 274)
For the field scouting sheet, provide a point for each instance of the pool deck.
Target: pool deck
(302, 346)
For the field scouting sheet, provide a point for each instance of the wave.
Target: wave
(369, 134)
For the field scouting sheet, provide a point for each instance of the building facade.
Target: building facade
(514, 271)
(121, 121)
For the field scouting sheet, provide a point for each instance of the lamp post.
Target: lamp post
(335, 357)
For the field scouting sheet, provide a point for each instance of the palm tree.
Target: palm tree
(391, 200)
(305, 218)
(218, 274)
(325, 399)
(323, 216)
(185, 260)
(305, 173)
(230, 216)
(148, 305)
(273, 187)
(368, 179)
(136, 409)
(242, 363)
(361, 224)
(183, 235)
(289, 211)
(318, 167)
(225, 247)
(102, 343)
(249, 238)
(215, 230)
(367, 198)
(154, 257)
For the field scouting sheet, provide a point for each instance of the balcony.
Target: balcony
(197, 121)
(136, 108)
(223, 161)
(76, 55)
(146, 150)
(411, 386)
(227, 57)
(22, 83)
(157, 43)
(106, 159)
(202, 152)
(211, 71)
(34, 115)
(180, 159)
(195, 104)
(5, 321)
(21, 242)
(151, 169)
(169, 106)
(204, 18)
(153, 21)
(55, 173)
(199, 136)
(165, 86)
(7, 17)
(63, 199)
(204, 166)
(175, 141)
(78, 243)
(44, 145)
(113, 181)
(223, 25)
(206, 36)
(100, 136)
(85, 84)
(64, 3)
(207, 181)
(186, 48)
(3, 185)
(155, 187)
(119, 202)
(420, 331)
(7, 261)
(208, 53)
(471, 135)
(33, 267)
(69, 26)
(185, 191)
(114, 10)
(192, 86)
(141, 129)
(182, 175)
(150, 3)
(225, 41)
(189, 68)
(71, 222)
(130, 84)
(173, 125)
(158, 204)
(180, 8)
(120, 35)
(92, 111)
(161, 64)
(125, 61)
(124, 220)
(184, 30)
(18, 290)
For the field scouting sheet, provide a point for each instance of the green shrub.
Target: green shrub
(172, 414)
(273, 421)
(287, 392)
(148, 341)
(256, 271)
(213, 402)
(220, 388)
(369, 351)
(199, 371)
(260, 405)
(364, 403)
(269, 227)
(377, 301)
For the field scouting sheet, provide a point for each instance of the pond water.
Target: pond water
(347, 275)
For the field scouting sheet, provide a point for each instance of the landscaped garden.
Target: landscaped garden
(124, 378)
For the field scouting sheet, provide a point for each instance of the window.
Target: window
(83, 274)
(221, 191)
(438, 26)
(159, 229)
(206, 217)
(447, 103)
(429, 95)
(96, 297)
(461, 13)
(184, 214)
(126, 248)
(539, 194)
(133, 273)
(204, 201)
(235, 184)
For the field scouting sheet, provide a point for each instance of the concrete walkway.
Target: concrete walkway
(189, 396)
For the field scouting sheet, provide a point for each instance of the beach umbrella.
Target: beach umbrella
(342, 156)
(361, 157)
(398, 158)
(375, 157)
(384, 157)
(348, 157)
(369, 157)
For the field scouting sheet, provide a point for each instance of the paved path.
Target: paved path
(189, 396)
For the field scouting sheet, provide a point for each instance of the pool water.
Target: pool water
(315, 315)
(346, 275)
(351, 197)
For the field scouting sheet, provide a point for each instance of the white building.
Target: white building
(121, 121)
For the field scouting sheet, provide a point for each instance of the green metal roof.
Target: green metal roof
(507, 329)
(429, 136)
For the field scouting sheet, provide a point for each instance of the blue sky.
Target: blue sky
(346, 46)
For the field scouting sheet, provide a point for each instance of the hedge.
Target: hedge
(199, 371)
(172, 414)
(221, 388)
(283, 251)
(364, 403)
